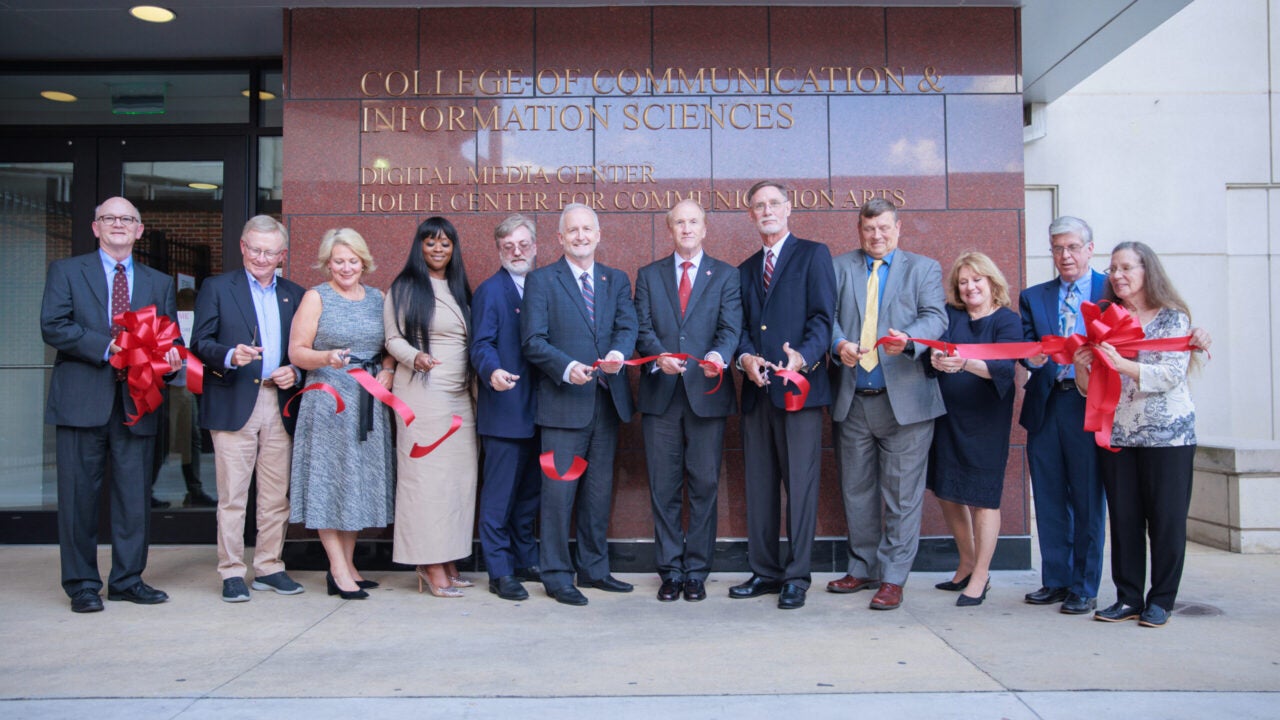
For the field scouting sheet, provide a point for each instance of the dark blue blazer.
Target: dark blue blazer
(225, 317)
(495, 318)
(73, 320)
(1038, 306)
(555, 330)
(712, 321)
(797, 309)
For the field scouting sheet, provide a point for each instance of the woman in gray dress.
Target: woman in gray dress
(343, 467)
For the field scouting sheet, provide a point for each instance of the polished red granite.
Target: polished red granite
(536, 108)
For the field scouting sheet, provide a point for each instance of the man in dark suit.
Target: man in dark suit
(577, 311)
(688, 303)
(505, 412)
(241, 334)
(788, 299)
(89, 403)
(885, 404)
(1070, 509)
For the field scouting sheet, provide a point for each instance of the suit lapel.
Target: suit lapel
(604, 297)
(95, 280)
(1098, 287)
(706, 271)
(511, 291)
(894, 275)
(779, 264)
(242, 296)
(860, 285)
(570, 283)
(669, 284)
(143, 289)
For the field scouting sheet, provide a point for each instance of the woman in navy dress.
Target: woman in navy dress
(971, 442)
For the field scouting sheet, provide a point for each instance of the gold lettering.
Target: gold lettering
(364, 82)
(875, 74)
(897, 80)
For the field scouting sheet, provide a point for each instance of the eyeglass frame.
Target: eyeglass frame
(124, 220)
(263, 252)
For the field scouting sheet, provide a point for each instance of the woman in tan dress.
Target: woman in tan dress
(427, 318)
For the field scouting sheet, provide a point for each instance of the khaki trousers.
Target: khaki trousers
(262, 443)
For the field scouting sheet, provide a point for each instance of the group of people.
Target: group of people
(531, 363)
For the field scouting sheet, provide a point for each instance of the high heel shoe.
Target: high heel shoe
(459, 581)
(952, 585)
(967, 601)
(441, 592)
(367, 584)
(344, 594)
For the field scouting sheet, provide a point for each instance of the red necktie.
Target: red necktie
(119, 304)
(768, 268)
(686, 286)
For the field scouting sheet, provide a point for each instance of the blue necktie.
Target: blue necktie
(589, 296)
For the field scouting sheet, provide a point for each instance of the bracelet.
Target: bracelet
(964, 365)
(386, 369)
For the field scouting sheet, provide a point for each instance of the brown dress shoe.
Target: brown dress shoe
(851, 584)
(888, 597)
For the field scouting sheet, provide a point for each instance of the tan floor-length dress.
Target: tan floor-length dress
(435, 494)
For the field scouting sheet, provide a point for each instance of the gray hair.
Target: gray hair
(265, 224)
(1074, 225)
(578, 206)
(687, 201)
(510, 225)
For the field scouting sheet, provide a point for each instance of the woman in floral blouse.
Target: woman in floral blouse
(1148, 481)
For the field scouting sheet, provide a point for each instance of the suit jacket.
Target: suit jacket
(555, 329)
(495, 319)
(798, 308)
(712, 321)
(225, 317)
(73, 320)
(1038, 306)
(911, 301)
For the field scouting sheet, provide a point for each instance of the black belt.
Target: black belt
(869, 392)
(1065, 385)
(371, 366)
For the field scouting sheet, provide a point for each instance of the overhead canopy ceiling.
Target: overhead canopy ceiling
(1063, 41)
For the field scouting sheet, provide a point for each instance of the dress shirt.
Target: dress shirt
(267, 309)
(109, 270)
(577, 279)
(873, 380)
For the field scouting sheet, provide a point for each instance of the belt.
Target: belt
(869, 392)
(1065, 385)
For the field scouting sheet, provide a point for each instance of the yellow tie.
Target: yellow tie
(871, 320)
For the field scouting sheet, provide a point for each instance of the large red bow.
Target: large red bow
(144, 342)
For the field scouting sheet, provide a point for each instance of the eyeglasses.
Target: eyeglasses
(262, 253)
(1126, 269)
(771, 205)
(511, 247)
(125, 220)
(1073, 248)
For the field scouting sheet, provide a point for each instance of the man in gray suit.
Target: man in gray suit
(885, 404)
(687, 303)
(577, 311)
(89, 403)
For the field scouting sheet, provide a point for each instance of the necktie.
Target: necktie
(871, 321)
(119, 304)
(589, 296)
(686, 286)
(1067, 324)
(768, 269)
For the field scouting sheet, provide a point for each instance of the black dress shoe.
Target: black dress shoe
(1153, 616)
(1118, 612)
(755, 587)
(1047, 596)
(533, 573)
(970, 601)
(694, 590)
(568, 595)
(332, 586)
(952, 586)
(1077, 605)
(670, 590)
(367, 584)
(141, 593)
(86, 601)
(157, 504)
(608, 583)
(792, 597)
(508, 587)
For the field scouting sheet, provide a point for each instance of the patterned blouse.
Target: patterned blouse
(1156, 410)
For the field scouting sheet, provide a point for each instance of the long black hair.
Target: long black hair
(412, 297)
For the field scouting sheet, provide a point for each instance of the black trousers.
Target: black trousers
(1148, 495)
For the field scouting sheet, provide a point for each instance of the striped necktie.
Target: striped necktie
(589, 296)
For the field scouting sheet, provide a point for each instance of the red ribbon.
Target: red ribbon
(548, 462)
(317, 386)
(794, 401)
(384, 396)
(146, 339)
(678, 356)
(1114, 325)
(421, 450)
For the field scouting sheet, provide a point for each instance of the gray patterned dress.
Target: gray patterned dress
(338, 481)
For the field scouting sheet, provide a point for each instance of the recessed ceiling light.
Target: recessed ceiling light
(58, 96)
(262, 94)
(202, 186)
(152, 13)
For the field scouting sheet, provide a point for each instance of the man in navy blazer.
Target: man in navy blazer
(686, 303)
(89, 403)
(505, 414)
(578, 311)
(241, 334)
(788, 300)
(1070, 508)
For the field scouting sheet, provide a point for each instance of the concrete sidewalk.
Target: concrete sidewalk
(401, 654)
